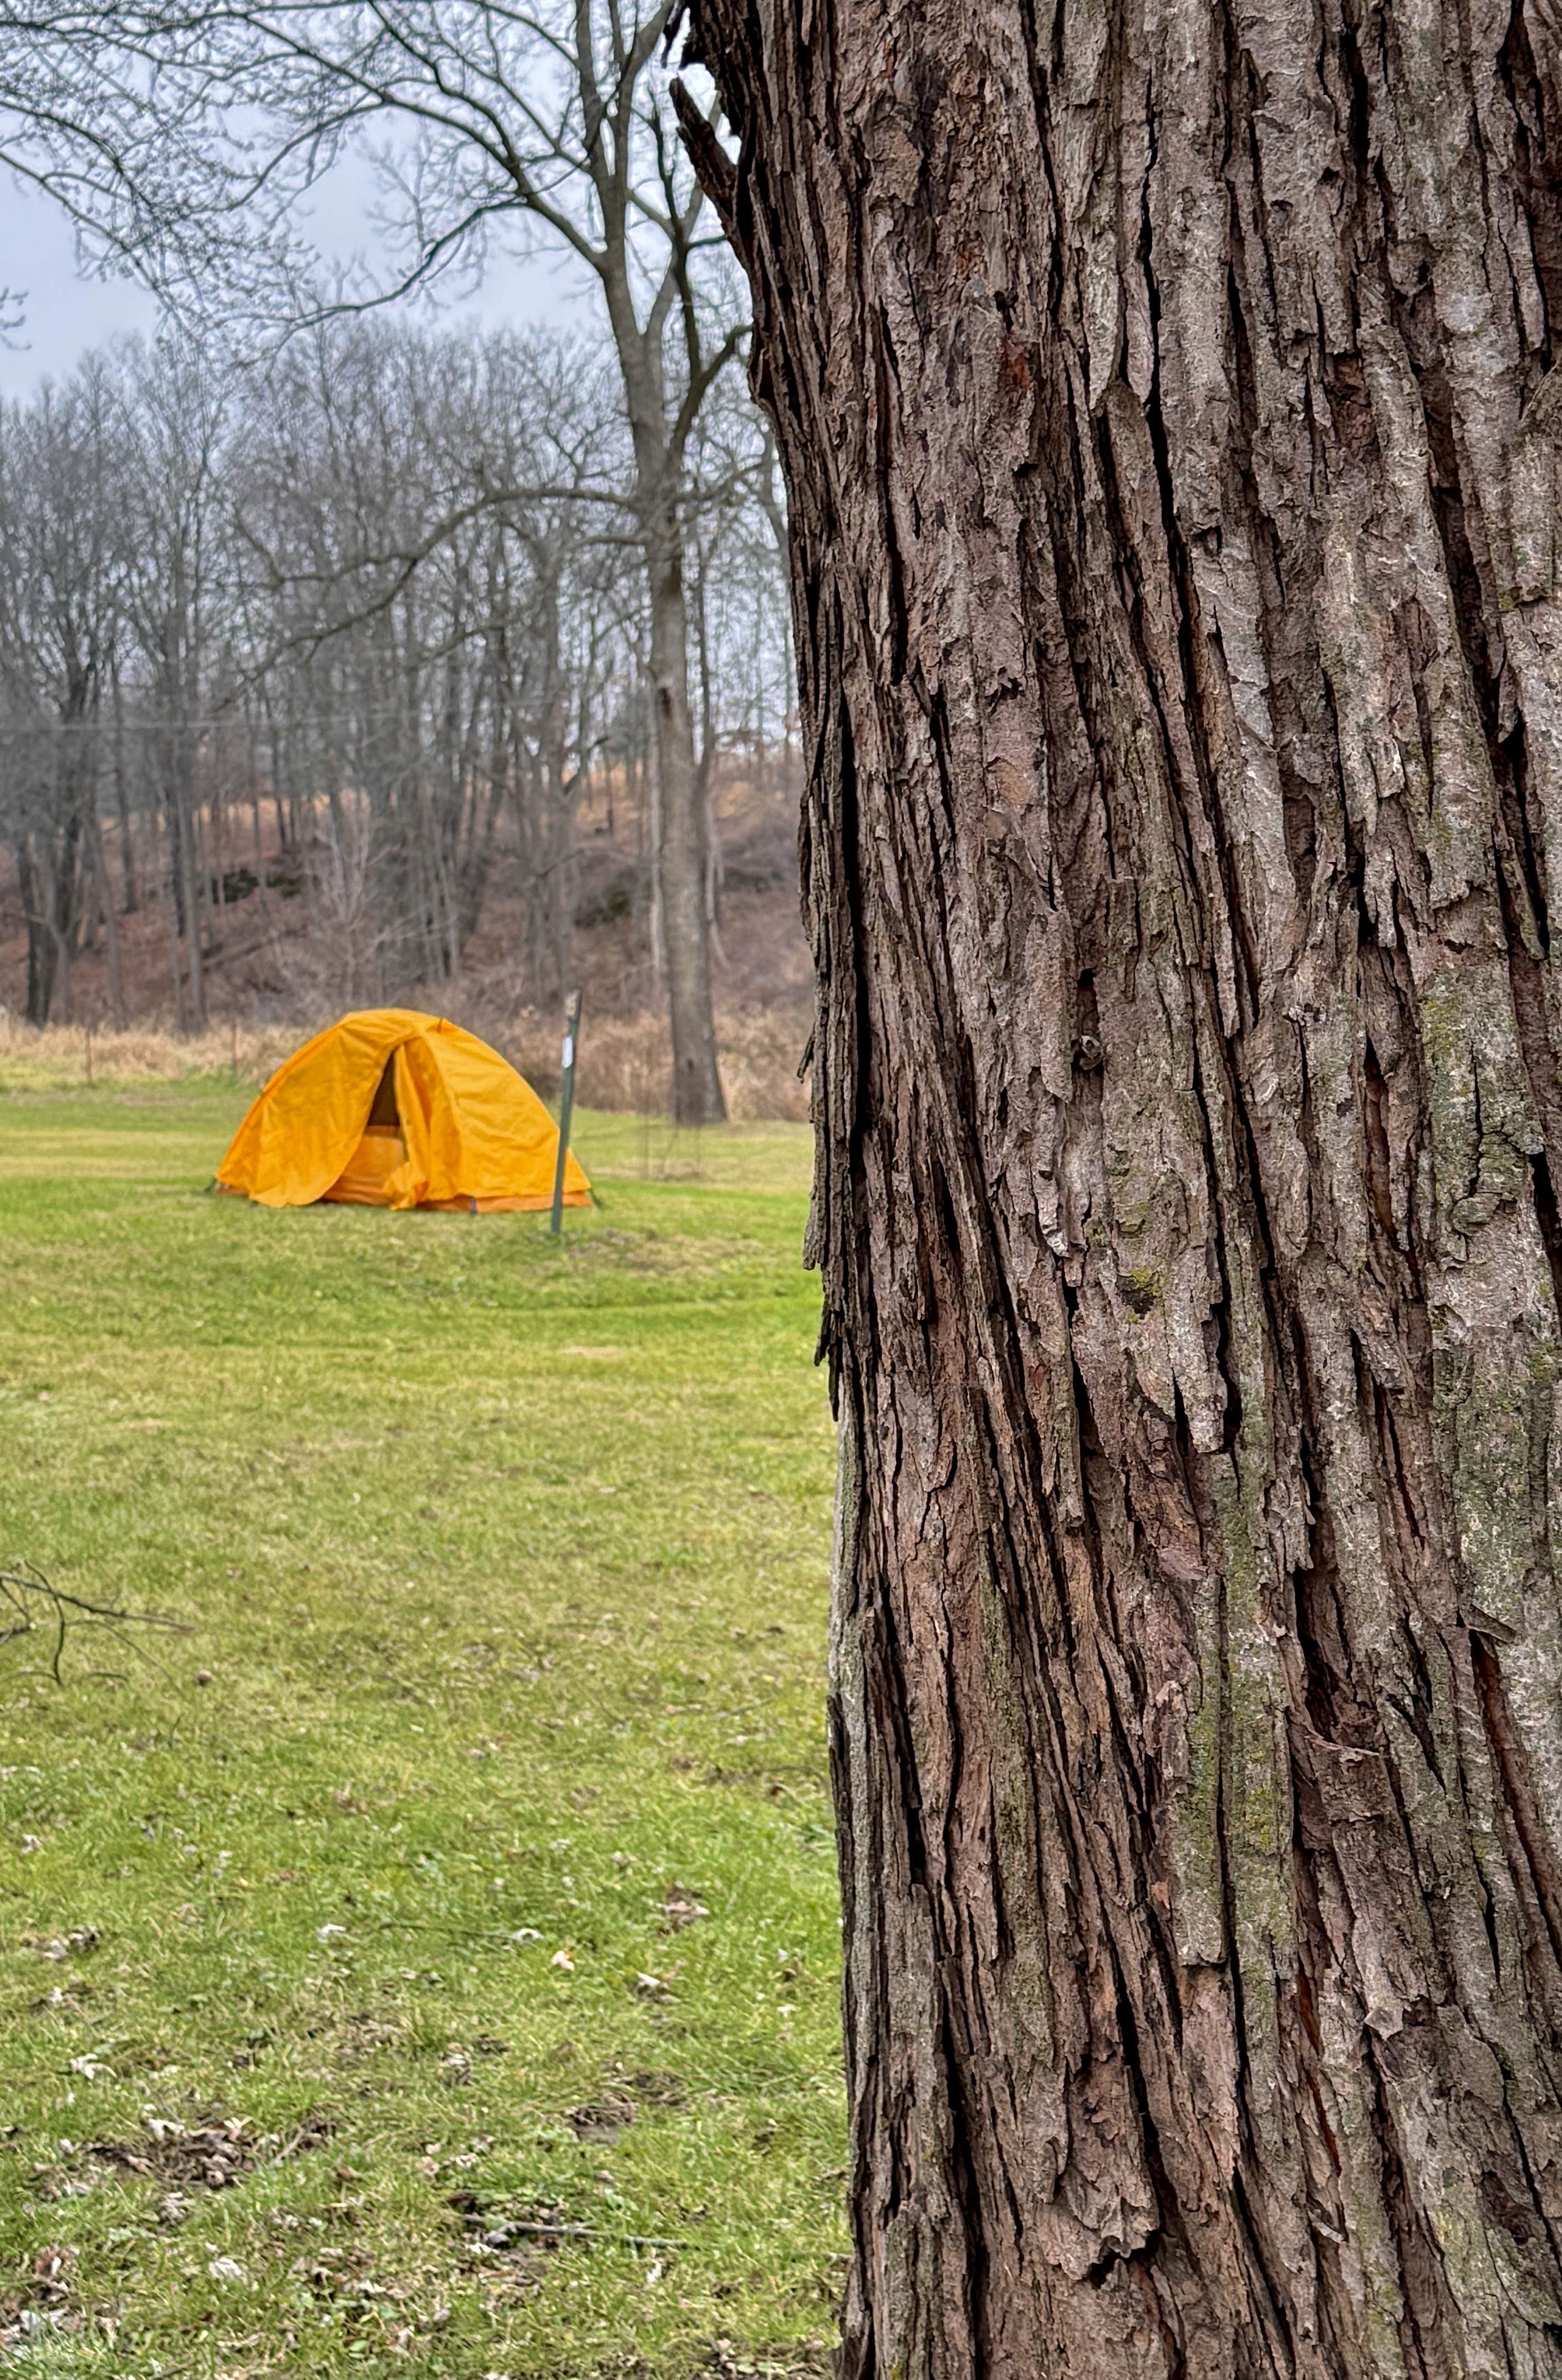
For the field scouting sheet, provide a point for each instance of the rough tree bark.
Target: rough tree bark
(1170, 397)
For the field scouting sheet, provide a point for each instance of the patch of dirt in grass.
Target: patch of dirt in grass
(211, 2156)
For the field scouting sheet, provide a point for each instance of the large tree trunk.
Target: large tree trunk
(1163, 393)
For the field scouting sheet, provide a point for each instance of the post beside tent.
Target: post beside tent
(567, 1109)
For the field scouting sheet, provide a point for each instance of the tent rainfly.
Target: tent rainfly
(392, 1109)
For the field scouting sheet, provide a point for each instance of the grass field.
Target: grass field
(467, 1868)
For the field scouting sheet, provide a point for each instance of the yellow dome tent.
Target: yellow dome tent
(392, 1109)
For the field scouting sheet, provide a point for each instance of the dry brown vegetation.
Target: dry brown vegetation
(282, 965)
(624, 1060)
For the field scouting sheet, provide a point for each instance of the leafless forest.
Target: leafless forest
(458, 648)
(326, 684)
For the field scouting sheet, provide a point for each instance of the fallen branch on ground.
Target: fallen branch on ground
(585, 2232)
(34, 1603)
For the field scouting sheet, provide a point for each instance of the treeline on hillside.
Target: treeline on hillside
(346, 627)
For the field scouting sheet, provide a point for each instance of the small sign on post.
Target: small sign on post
(566, 1108)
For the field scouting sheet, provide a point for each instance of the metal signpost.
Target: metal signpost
(566, 1108)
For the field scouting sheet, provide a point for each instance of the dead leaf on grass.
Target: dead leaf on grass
(42, 2303)
(804, 2361)
(602, 2119)
(80, 1938)
(681, 1907)
(657, 2088)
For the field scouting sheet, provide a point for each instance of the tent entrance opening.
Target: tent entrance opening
(364, 1180)
(384, 1111)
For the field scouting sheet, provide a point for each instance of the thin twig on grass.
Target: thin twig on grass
(587, 2232)
(34, 1603)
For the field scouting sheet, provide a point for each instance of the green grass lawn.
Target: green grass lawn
(469, 1865)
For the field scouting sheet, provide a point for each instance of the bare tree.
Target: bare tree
(61, 597)
(554, 117)
(174, 417)
(426, 529)
(1169, 401)
(390, 590)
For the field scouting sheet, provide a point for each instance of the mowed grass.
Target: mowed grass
(505, 1563)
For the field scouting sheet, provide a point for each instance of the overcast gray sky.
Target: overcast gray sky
(66, 311)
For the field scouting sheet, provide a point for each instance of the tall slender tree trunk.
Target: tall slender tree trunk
(41, 947)
(185, 861)
(1170, 399)
(168, 887)
(683, 844)
(63, 902)
(681, 838)
(122, 801)
(110, 924)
